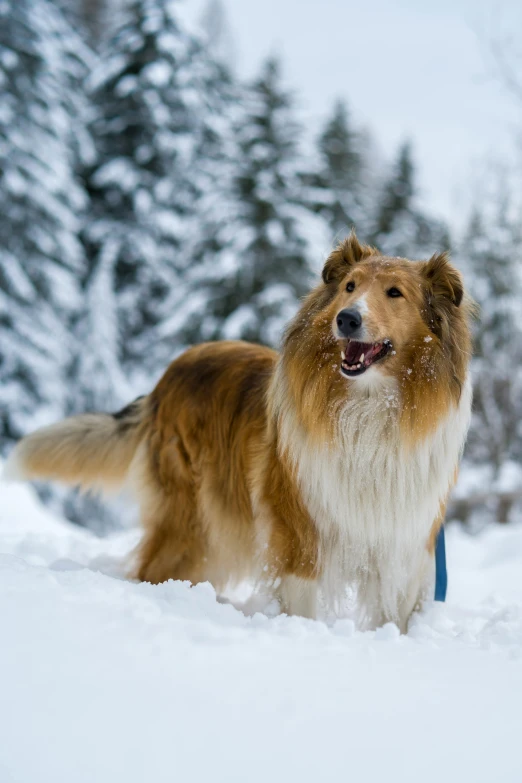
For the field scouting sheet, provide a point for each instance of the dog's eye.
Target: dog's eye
(350, 286)
(394, 292)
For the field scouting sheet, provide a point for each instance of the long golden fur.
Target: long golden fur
(238, 456)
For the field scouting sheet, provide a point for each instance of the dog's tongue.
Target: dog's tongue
(355, 349)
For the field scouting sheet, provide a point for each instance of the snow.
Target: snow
(107, 680)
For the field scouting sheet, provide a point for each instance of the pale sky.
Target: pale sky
(419, 70)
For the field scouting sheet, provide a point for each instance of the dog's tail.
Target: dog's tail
(93, 451)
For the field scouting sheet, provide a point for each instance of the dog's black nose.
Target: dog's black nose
(348, 321)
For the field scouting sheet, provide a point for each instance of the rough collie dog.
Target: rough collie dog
(323, 469)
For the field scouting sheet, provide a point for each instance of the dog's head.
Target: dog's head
(379, 324)
(381, 309)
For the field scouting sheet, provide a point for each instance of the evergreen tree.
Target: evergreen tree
(158, 97)
(492, 256)
(217, 37)
(43, 140)
(343, 184)
(94, 16)
(94, 20)
(260, 263)
(401, 228)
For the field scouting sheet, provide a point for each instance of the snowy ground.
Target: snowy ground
(103, 681)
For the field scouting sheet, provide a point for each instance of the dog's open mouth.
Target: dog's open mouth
(357, 357)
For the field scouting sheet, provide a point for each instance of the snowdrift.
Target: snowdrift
(106, 680)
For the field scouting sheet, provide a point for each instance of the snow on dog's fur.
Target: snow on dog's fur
(323, 470)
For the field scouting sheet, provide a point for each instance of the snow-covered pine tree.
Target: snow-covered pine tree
(158, 133)
(94, 14)
(256, 257)
(492, 257)
(343, 186)
(401, 228)
(43, 140)
(217, 37)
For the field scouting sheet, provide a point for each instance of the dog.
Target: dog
(321, 473)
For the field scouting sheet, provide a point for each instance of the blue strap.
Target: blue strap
(441, 572)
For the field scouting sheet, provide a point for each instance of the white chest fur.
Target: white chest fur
(374, 502)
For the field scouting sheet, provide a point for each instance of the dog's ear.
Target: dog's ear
(443, 281)
(345, 255)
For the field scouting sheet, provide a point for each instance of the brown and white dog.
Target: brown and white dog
(320, 470)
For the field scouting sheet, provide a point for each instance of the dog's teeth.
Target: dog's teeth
(343, 355)
(362, 358)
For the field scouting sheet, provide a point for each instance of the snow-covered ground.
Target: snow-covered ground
(103, 680)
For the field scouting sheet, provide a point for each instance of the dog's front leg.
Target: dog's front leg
(417, 591)
(292, 551)
(298, 596)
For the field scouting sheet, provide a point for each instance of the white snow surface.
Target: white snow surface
(106, 680)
